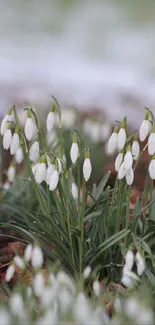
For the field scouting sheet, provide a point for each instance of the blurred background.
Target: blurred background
(92, 54)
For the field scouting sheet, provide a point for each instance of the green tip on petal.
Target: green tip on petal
(52, 161)
(87, 153)
(29, 114)
(135, 138)
(146, 116)
(153, 128)
(10, 111)
(17, 129)
(129, 147)
(9, 126)
(153, 157)
(123, 124)
(116, 129)
(74, 140)
(52, 110)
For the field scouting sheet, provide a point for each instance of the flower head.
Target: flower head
(10, 273)
(118, 161)
(140, 262)
(11, 173)
(40, 173)
(128, 160)
(144, 128)
(112, 143)
(7, 138)
(50, 119)
(87, 168)
(54, 179)
(74, 191)
(152, 167)
(96, 288)
(74, 150)
(37, 258)
(129, 259)
(135, 149)
(5, 121)
(121, 136)
(151, 141)
(34, 151)
(19, 156)
(49, 171)
(28, 253)
(129, 176)
(122, 170)
(30, 127)
(14, 143)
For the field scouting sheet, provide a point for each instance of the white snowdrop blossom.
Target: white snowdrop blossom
(19, 156)
(16, 304)
(30, 127)
(128, 160)
(118, 161)
(63, 280)
(129, 259)
(135, 149)
(152, 168)
(18, 261)
(140, 262)
(59, 165)
(38, 284)
(5, 318)
(87, 167)
(54, 179)
(151, 141)
(129, 176)
(74, 191)
(144, 128)
(87, 272)
(34, 151)
(10, 273)
(49, 172)
(4, 124)
(122, 170)
(82, 309)
(129, 278)
(74, 152)
(50, 119)
(7, 138)
(14, 144)
(121, 137)
(37, 257)
(96, 288)
(11, 173)
(113, 140)
(40, 172)
(28, 253)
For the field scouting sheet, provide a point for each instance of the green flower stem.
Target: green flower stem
(112, 202)
(119, 206)
(139, 157)
(128, 192)
(81, 217)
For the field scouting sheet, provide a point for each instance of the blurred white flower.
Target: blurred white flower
(96, 288)
(50, 119)
(129, 176)
(105, 130)
(64, 280)
(19, 156)
(87, 272)
(28, 253)
(59, 165)
(74, 191)
(152, 168)
(135, 149)
(121, 138)
(113, 140)
(140, 262)
(74, 152)
(18, 261)
(7, 138)
(37, 257)
(65, 299)
(11, 173)
(16, 304)
(5, 318)
(151, 144)
(34, 152)
(87, 167)
(129, 259)
(10, 273)
(40, 173)
(118, 161)
(54, 179)
(4, 124)
(144, 128)
(81, 309)
(38, 284)
(6, 185)
(49, 172)
(68, 118)
(30, 127)
(128, 160)
(14, 144)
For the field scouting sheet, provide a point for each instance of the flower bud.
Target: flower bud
(135, 149)
(19, 156)
(121, 136)
(87, 168)
(96, 288)
(30, 127)
(54, 179)
(18, 261)
(50, 119)
(74, 191)
(34, 151)
(40, 173)
(38, 284)
(37, 258)
(151, 141)
(128, 160)
(14, 143)
(28, 253)
(118, 161)
(16, 304)
(86, 272)
(140, 262)
(5, 122)
(122, 170)
(129, 259)
(144, 128)
(152, 168)
(10, 273)
(112, 143)
(7, 138)
(129, 176)
(11, 173)
(74, 150)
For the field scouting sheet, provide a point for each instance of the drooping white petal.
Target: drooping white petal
(49, 172)
(19, 156)
(7, 139)
(29, 128)
(86, 272)
(122, 170)
(4, 123)
(10, 273)
(74, 152)
(152, 169)
(144, 130)
(129, 259)
(19, 262)
(34, 151)
(74, 191)
(140, 262)
(121, 138)
(11, 174)
(87, 169)
(38, 284)
(59, 165)
(28, 253)
(151, 144)
(16, 303)
(112, 143)
(37, 257)
(40, 174)
(54, 179)
(135, 149)
(50, 121)
(118, 161)
(96, 288)
(128, 160)
(14, 144)
(5, 317)
(130, 176)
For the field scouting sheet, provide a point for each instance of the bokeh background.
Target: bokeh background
(87, 53)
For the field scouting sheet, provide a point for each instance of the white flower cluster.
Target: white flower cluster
(129, 278)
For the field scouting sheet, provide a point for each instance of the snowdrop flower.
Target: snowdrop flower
(118, 161)
(140, 262)
(151, 141)
(49, 171)
(48, 296)
(54, 179)
(16, 304)
(129, 278)
(64, 280)
(5, 318)
(28, 253)
(135, 149)
(65, 300)
(50, 316)
(7, 138)
(94, 132)
(34, 151)
(129, 176)
(82, 309)
(11, 173)
(122, 170)
(19, 156)
(50, 119)
(18, 261)
(38, 284)
(152, 167)
(96, 288)
(10, 273)
(14, 143)
(74, 191)
(68, 118)
(37, 258)
(129, 259)
(112, 143)
(121, 136)
(74, 149)
(29, 291)
(59, 165)
(87, 168)
(5, 122)
(40, 173)
(30, 127)
(128, 160)
(86, 272)
(144, 128)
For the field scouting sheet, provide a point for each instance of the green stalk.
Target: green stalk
(128, 191)
(119, 208)
(81, 215)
